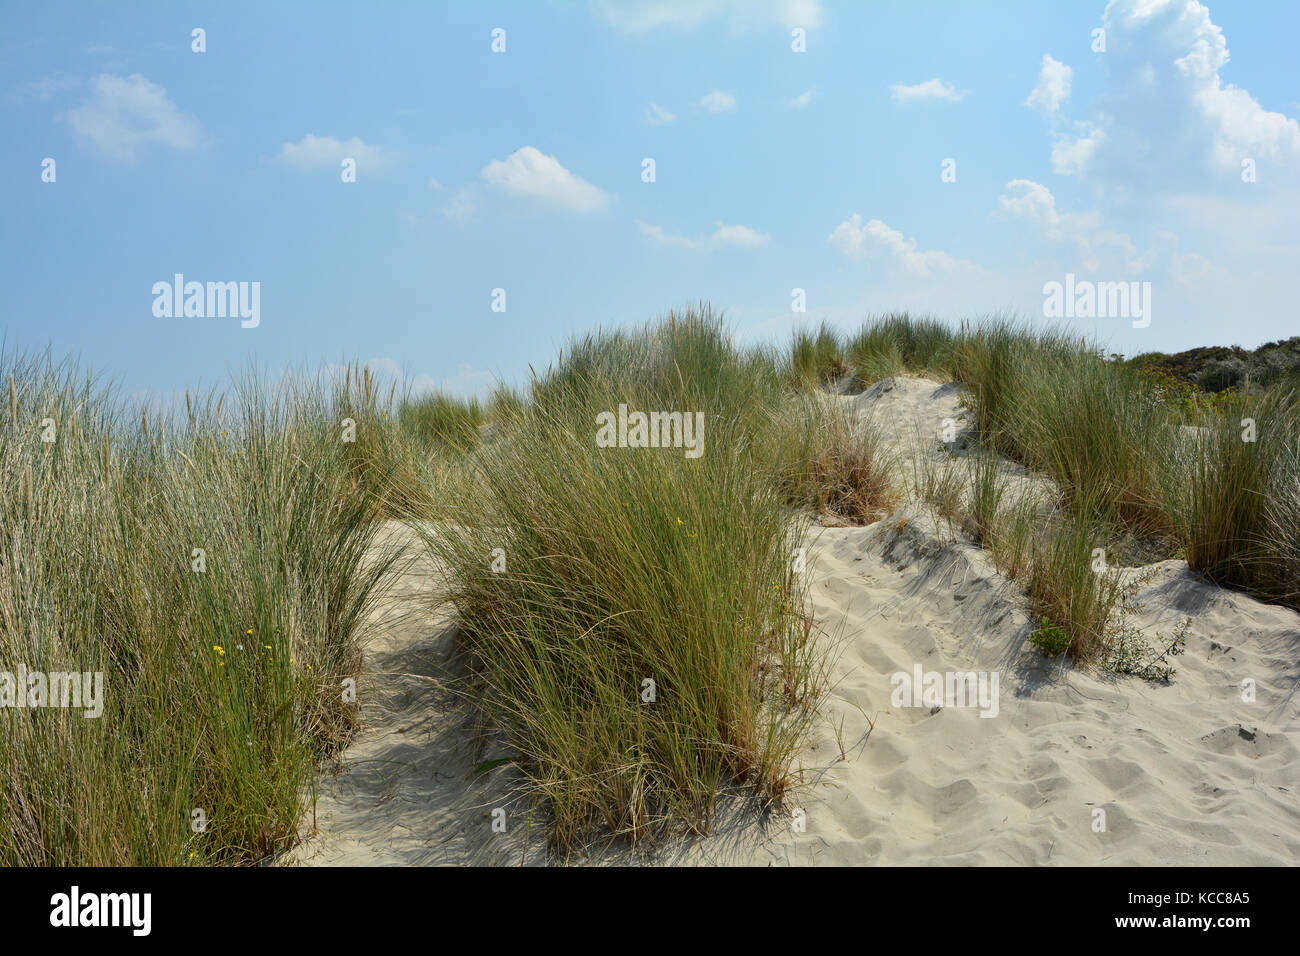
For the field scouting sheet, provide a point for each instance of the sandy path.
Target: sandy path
(1188, 773)
(407, 792)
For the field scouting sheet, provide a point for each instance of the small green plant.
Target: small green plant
(1050, 639)
(1131, 654)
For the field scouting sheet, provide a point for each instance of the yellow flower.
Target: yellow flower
(249, 631)
(219, 649)
(680, 521)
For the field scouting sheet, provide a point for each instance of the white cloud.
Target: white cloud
(656, 115)
(1034, 203)
(802, 100)
(530, 174)
(718, 102)
(463, 205)
(126, 113)
(737, 236)
(1167, 99)
(1096, 246)
(1053, 87)
(935, 89)
(723, 235)
(873, 239)
(314, 152)
(1071, 155)
(641, 16)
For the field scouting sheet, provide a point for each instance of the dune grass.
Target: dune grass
(442, 422)
(1069, 583)
(1142, 463)
(828, 463)
(634, 617)
(816, 357)
(209, 567)
(897, 343)
(1231, 492)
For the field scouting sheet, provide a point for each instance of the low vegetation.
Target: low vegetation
(208, 565)
(634, 618)
(1146, 461)
(635, 622)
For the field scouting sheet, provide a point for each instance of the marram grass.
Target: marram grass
(209, 565)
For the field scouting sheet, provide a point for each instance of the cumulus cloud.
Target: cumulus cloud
(1072, 154)
(530, 174)
(1053, 87)
(874, 239)
(1094, 245)
(315, 152)
(127, 113)
(723, 235)
(656, 115)
(1166, 98)
(718, 102)
(930, 90)
(1033, 203)
(802, 100)
(641, 16)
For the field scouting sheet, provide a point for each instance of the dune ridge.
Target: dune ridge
(1185, 773)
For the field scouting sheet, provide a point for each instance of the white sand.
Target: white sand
(1187, 773)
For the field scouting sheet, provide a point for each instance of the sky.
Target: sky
(449, 191)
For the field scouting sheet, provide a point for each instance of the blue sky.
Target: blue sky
(523, 170)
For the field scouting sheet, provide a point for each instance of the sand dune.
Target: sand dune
(1185, 773)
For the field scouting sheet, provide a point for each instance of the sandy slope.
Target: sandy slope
(1186, 773)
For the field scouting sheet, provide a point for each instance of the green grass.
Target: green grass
(627, 565)
(577, 572)
(443, 422)
(828, 463)
(895, 343)
(1117, 439)
(1234, 502)
(1069, 586)
(221, 685)
(816, 358)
